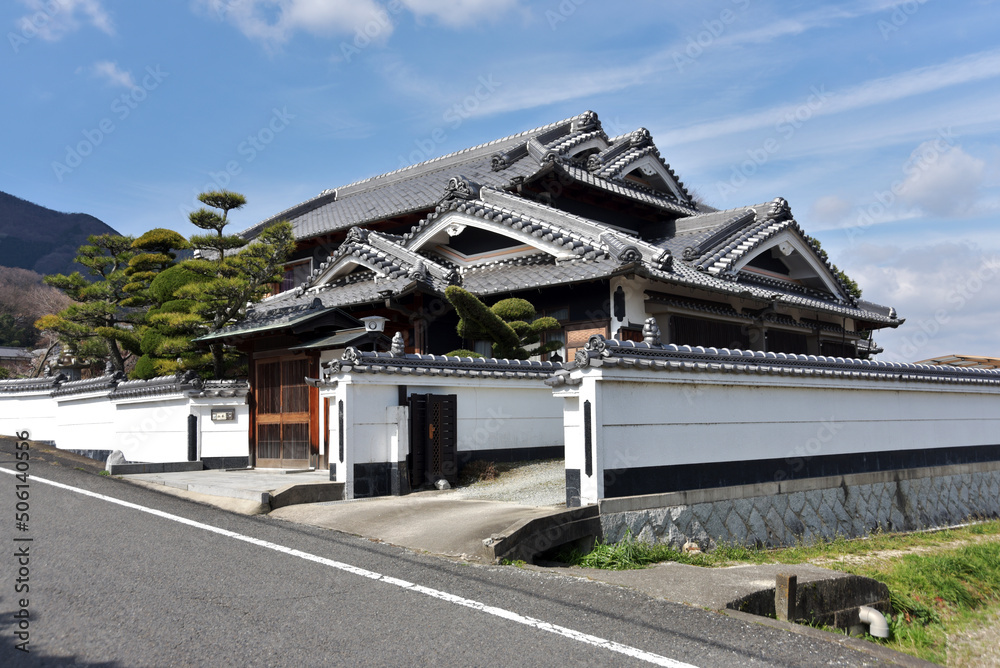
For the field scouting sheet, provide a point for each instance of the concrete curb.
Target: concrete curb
(239, 506)
(527, 539)
(311, 492)
(858, 644)
(164, 467)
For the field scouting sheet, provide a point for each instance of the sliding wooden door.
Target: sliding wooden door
(283, 425)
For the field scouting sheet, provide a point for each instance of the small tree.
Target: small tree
(235, 271)
(510, 324)
(98, 323)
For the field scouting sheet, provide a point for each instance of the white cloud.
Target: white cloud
(829, 209)
(111, 73)
(275, 21)
(948, 292)
(820, 102)
(457, 13)
(943, 181)
(54, 19)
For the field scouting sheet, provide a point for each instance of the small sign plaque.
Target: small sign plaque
(223, 415)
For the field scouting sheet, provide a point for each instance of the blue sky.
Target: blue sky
(878, 120)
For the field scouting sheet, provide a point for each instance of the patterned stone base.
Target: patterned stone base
(781, 514)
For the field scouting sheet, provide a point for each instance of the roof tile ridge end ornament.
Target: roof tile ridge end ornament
(500, 161)
(462, 187)
(622, 251)
(586, 122)
(540, 152)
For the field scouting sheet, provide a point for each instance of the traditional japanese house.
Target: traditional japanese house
(596, 231)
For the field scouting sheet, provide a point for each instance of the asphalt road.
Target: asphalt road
(114, 585)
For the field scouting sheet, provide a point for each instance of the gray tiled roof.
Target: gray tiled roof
(596, 251)
(683, 274)
(702, 250)
(172, 384)
(43, 384)
(419, 187)
(534, 272)
(98, 384)
(410, 189)
(671, 357)
(630, 190)
(384, 253)
(288, 309)
(356, 361)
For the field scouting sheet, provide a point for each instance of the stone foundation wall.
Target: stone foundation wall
(781, 514)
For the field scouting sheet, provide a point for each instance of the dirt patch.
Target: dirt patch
(977, 645)
(889, 555)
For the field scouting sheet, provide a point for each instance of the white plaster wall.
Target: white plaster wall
(635, 301)
(85, 422)
(492, 413)
(221, 438)
(660, 418)
(151, 430)
(702, 417)
(366, 425)
(34, 412)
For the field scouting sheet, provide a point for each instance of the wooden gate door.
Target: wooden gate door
(282, 413)
(433, 438)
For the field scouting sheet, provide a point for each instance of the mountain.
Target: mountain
(43, 240)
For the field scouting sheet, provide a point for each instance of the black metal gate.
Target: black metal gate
(433, 438)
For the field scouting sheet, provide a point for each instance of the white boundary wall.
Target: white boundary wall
(34, 409)
(146, 420)
(742, 435)
(501, 414)
(657, 410)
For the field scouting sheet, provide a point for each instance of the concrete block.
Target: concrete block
(716, 526)
(758, 529)
(736, 528)
(785, 594)
(702, 511)
(796, 502)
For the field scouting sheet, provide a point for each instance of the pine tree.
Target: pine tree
(170, 323)
(234, 271)
(510, 324)
(98, 323)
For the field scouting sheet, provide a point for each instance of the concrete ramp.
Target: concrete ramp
(529, 539)
(434, 522)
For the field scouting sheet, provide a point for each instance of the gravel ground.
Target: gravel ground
(529, 484)
(976, 646)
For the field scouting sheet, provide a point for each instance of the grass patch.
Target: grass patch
(478, 471)
(940, 582)
(936, 594)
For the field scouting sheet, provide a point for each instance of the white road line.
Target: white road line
(586, 638)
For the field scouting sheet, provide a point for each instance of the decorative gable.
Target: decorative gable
(787, 256)
(769, 246)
